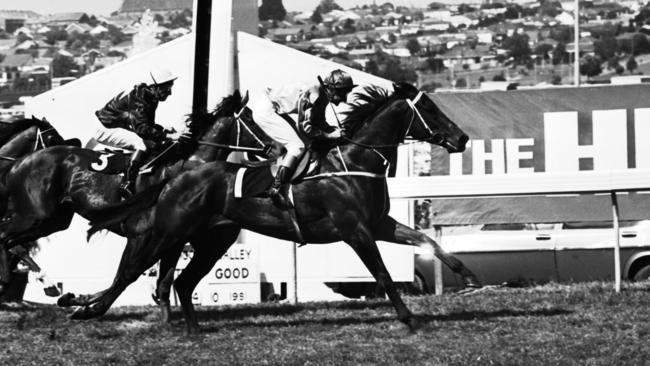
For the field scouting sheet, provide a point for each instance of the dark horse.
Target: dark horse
(348, 201)
(19, 138)
(46, 188)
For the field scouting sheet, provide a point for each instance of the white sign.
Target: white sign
(235, 278)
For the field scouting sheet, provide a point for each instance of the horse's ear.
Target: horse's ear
(245, 100)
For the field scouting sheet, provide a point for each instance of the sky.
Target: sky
(105, 7)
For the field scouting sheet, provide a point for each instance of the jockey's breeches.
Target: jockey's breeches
(278, 128)
(120, 138)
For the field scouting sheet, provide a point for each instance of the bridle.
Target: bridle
(39, 137)
(237, 147)
(38, 141)
(412, 103)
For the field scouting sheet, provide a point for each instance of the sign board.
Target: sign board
(235, 278)
(524, 134)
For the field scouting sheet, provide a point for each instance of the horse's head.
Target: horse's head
(429, 123)
(231, 123)
(47, 135)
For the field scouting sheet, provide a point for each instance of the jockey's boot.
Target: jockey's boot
(127, 187)
(280, 187)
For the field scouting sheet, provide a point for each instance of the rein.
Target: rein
(412, 104)
(231, 147)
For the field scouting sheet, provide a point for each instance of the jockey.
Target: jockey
(307, 104)
(129, 122)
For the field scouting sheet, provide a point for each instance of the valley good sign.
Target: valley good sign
(546, 130)
(235, 278)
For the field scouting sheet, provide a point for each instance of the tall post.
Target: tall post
(203, 18)
(617, 243)
(576, 42)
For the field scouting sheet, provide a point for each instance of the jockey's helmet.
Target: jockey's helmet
(339, 79)
(161, 76)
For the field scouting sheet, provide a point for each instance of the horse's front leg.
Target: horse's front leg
(390, 230)
(209, 246)
(363, 243)
(165, 279)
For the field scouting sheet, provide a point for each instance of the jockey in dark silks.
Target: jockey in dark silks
(129, 122)
(309, 103)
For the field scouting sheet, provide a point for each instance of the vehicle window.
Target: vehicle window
(598, 224)
(544, 226)
(504, 227)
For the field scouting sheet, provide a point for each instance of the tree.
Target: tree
(55, 35)
(591, 66)
(631, 64)
(606, 47)
(560, 54)
(272, 10)
(543, 50)
(63, 66)
(499, 77)
(348, 26)
(316, 16)
(372, 68)
(326, 6)
(413, 46)
(513, 11)
(517, 44)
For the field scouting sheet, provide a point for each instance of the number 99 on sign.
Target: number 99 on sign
(238, 296)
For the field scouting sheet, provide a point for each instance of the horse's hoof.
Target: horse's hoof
(413, 323)
(80, 313)
(52, 291)
(65, 300)
(193, 329)
(472, 282)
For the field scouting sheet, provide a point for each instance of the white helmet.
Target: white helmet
(160, 76)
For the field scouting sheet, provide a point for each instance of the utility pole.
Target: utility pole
(576, 42)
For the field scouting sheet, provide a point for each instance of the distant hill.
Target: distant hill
(137, 6)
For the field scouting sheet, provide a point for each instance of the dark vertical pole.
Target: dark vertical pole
(202, 55)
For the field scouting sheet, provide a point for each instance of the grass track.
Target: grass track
(586, 324)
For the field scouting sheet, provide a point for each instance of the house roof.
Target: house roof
(155, 5)
(16, 60)
(63, 17)
(81, 26)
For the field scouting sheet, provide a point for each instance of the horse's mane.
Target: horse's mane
(229, 105)
(9, 129)
(366, 104)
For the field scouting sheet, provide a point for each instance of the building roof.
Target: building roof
(155, 5)
(16, 60)
(18, 14)
(63, 17)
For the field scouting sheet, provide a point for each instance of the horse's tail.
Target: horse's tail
(121, 211)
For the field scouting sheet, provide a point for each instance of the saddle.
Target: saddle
(254, 178)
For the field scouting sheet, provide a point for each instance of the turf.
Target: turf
(586, 324)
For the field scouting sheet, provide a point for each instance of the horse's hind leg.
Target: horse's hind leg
(142, 253)
(395, 232)
(208, 246)
(365, 246)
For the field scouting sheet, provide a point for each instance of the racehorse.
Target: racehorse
(347, 201)
(18, 139)
(46, 188)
